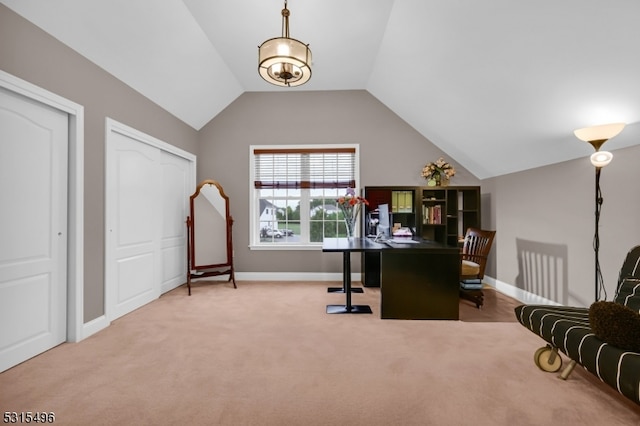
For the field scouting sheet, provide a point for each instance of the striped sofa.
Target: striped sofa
(567, 329)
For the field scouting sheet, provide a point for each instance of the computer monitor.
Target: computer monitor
(384, 227)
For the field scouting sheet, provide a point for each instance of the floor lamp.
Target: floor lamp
(597, 136)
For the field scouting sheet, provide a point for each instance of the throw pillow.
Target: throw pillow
(629, 293)
(616, 324)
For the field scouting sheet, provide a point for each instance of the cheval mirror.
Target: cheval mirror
(209, 245)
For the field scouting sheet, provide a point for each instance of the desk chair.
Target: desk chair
(475, 250)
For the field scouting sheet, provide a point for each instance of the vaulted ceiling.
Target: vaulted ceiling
(499, 85)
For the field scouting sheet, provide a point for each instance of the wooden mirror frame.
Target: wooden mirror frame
(195, 270)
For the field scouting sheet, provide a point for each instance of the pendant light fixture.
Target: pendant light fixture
(284, 61)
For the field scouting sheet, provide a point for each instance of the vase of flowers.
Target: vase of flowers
(350, 206)
(438, 173)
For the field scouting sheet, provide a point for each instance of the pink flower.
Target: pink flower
(438, 168)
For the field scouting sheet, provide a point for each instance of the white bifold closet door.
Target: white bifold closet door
(178, 183)
(147, 193)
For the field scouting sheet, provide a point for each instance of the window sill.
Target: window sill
(283, 246)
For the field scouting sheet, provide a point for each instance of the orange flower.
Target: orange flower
(350, 204)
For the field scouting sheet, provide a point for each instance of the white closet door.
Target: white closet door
(134, 214)
(33, 228)
(148, 184)
(177, 186)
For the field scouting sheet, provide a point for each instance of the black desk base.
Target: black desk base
(347, 308)
(355, 309)
(341, 290)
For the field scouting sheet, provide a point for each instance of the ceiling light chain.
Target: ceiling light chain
(284, 61)
(285, 21)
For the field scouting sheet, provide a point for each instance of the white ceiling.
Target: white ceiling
(499, 85)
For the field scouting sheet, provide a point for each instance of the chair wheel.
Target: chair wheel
(547, 359)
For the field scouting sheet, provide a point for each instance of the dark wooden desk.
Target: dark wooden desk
(418, 281)
(347, 246)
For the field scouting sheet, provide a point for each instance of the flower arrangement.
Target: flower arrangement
(438, 170)
(350, 206)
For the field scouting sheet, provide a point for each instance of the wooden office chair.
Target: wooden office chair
(475, 250)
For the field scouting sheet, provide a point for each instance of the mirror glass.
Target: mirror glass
(210, 246)
(209, 216)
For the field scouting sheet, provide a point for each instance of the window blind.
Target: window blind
(305, 168)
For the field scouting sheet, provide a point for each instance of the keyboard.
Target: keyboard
(402, 241)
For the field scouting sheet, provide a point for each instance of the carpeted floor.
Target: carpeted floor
(266, 353)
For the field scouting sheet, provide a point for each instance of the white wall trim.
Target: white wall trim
(517, 293)
(112, 125)
(254, 220)
(356, 278)
(75, 240)
(285, 276)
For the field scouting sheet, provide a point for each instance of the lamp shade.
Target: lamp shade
(601, 158)
(599, 133)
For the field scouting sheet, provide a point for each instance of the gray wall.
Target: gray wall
(545, 217)
(32, 55)
(391, 153)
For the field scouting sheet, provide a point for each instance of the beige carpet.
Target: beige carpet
(268, 354)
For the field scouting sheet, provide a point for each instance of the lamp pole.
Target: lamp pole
(596, 237)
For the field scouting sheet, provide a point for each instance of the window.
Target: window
(294, 189)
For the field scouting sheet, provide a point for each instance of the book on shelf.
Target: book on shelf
(432, 215)
(402, 201)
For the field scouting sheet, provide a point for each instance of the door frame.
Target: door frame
(75, 203)
(111, 127)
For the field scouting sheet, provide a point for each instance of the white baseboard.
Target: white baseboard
(518, 293)
(508, 289)
(294, 276)
(285, 276)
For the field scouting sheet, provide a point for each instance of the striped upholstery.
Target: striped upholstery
(567, 328)
(629, 293)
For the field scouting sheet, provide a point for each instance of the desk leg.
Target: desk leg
(348, 308)
(346, 276)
